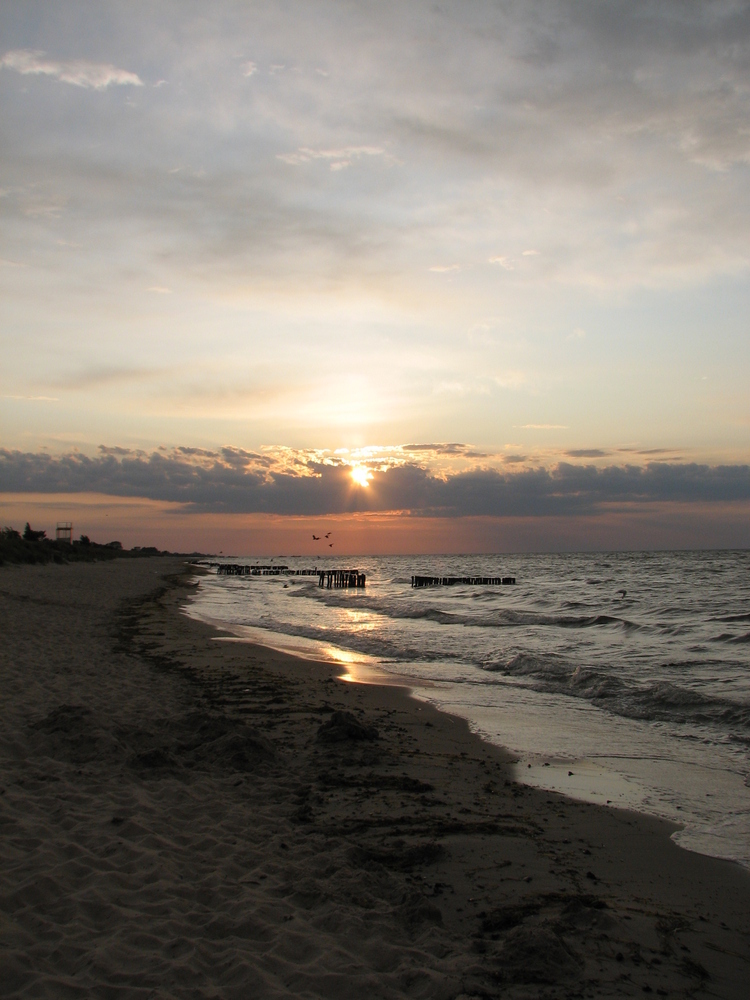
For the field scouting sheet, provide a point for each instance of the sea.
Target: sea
(616, 678)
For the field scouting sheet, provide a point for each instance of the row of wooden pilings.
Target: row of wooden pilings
(329, 578)
(340, 578)
(337, 578)
(238, 569)
(450, 581)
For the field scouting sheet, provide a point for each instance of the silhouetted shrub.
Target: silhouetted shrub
(29, 535)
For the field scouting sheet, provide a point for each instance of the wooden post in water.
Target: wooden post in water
(472, 581)
(340, 578)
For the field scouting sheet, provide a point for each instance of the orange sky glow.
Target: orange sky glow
(169, 526)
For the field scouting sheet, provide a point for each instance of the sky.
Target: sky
(448, 276)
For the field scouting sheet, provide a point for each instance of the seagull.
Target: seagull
(328, 535)
(330, 545)
(316, 538)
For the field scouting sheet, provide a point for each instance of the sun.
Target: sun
(361, 475)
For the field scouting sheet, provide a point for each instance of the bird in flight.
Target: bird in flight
(330, 545)
(316, 538)
(328, 535)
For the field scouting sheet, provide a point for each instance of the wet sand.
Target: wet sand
(187, 817)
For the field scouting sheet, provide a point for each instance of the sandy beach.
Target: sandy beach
(184, 816)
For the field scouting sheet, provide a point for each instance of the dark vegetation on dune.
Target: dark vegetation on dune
(34, 547)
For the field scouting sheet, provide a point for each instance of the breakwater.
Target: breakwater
(472, 581)
(239, 569)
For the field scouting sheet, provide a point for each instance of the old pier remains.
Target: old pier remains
(329, 578)
(340, 578)
(472, 581)
(239, 569)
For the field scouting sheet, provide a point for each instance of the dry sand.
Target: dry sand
(186, 817)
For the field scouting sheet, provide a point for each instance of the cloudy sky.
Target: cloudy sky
(492, 258)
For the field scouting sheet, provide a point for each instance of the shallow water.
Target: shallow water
(630, 670)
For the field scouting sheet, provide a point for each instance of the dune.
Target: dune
(187, 817)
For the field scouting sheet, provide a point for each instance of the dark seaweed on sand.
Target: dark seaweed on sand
(344, 726)
(399, 857)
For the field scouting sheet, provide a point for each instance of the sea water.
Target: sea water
(619, 678)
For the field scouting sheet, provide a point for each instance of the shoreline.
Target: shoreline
(655, 780)
(219, 800)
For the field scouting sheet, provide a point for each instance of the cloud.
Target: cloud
(674, 452)
(160, 289)
(79, 72)
(248, 68)
(43, 399)
(511, 380)
(613, 135)
(117, 449)
(109, 375)
(239, 481)
(586, 453)
(338, 159)
(439, 449)
(541, 427)
(444, 268)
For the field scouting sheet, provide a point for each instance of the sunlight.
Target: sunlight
(361, 475)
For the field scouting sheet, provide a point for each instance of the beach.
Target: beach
(184, 815)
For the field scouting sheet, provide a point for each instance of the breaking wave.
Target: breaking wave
(661, 700)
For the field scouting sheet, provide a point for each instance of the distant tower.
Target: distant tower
(64, 531)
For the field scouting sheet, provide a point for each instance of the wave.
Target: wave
(658, 701)
(561, 631)
(732, 638)
(502, 618)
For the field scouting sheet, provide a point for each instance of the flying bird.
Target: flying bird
(330, 545)
(316, 538)
(328, 534)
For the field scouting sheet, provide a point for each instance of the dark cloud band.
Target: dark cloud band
(234, 481)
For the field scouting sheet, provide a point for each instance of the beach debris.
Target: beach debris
(197, 741)
(415, 911)
(373, 780)
(399, 857)
(536, 954)
(218, 740)
(71, 732)
(238, 751)
(506, 917)
(344, 726)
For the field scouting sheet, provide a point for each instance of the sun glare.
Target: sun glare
(361, 475)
